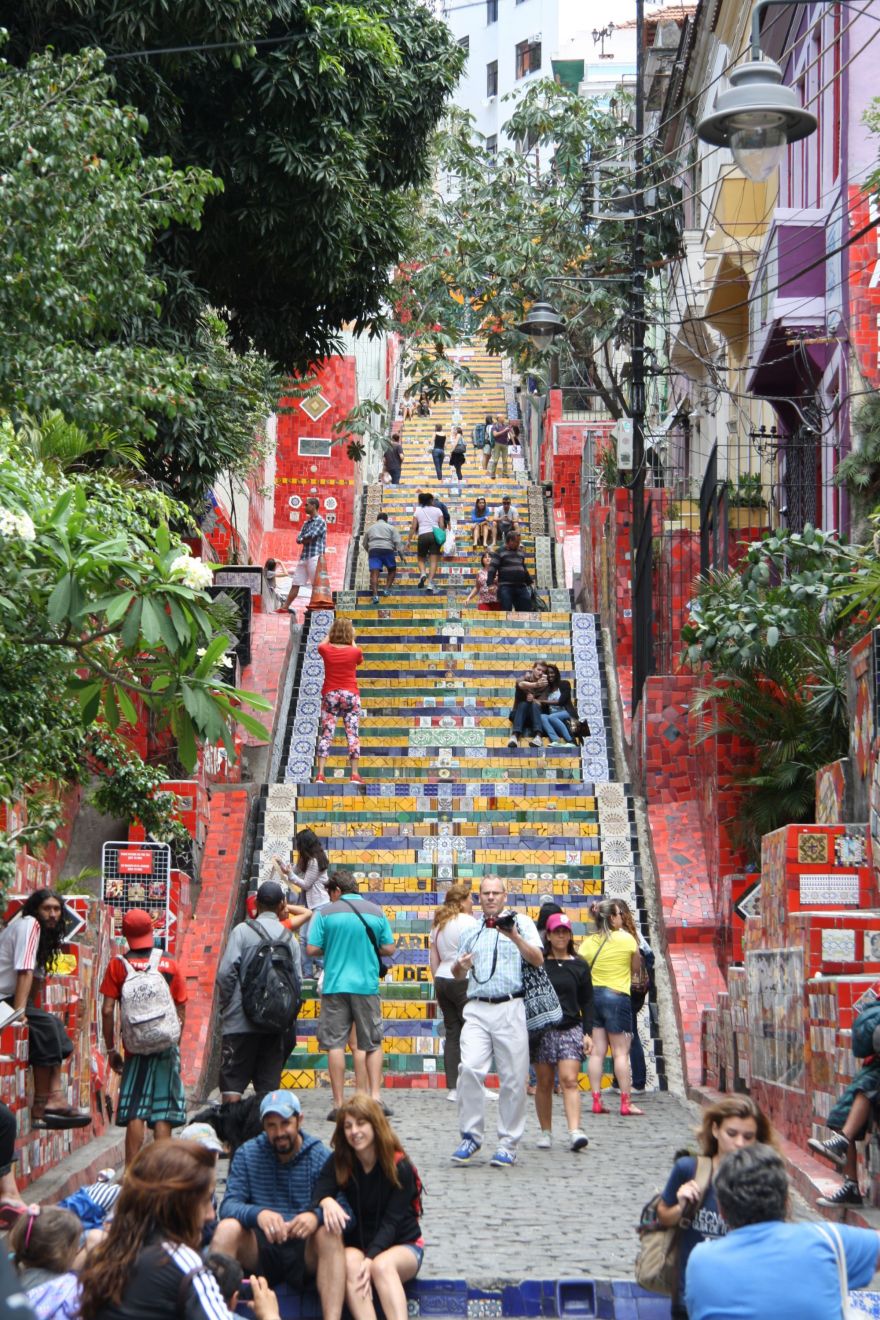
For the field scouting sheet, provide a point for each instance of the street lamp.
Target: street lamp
(759, 116)
(543, 324)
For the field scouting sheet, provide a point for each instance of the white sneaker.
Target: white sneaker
(452, 1095)
(545, 1141)
(512, 743)
(577, 1140)
(537, 742)
(490, 1093)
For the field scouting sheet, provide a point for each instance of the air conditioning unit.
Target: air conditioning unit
(623, 435)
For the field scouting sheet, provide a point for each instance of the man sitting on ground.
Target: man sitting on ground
(265, 1220)
(506, 517)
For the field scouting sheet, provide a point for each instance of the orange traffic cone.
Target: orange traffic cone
(322, 596)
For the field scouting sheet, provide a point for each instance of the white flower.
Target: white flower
(17, 524)
(201, 650)
(194, 573)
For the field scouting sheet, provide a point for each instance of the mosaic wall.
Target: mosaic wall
(774, 980)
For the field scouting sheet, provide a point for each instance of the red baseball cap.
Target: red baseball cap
(137, 927)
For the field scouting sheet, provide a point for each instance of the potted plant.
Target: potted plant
(744, 499)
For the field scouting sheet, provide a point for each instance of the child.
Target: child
(45, 1243)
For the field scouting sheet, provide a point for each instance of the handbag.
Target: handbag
(440, 535)
(543, 1008)
(538, 605)
(384, 969)
(640, 980)
(656, 1267)
(830, 1234)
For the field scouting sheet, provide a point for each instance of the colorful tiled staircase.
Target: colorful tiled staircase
(445, 799)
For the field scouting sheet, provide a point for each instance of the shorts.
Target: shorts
(417, 1250)
(379, 559)
(48, 1042)
(282, 1262)
(427, 545)
(612, 1011)
(553, 1045)
(339, 1011)
(253, 1057)
(304, 573)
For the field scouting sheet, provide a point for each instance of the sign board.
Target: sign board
(135, 861)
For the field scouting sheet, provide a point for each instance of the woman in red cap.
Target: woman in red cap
(151, 994)
(561, 1049)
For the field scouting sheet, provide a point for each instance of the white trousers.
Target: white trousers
(499, 1030)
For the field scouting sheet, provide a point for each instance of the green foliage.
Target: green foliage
(317, 142)
(480, 252)
(607, 470)
(774, 637)
(129, 789)
(859, 472)
(97, 331)
(747, 492)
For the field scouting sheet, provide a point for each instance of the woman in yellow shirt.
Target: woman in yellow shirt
(612, 955)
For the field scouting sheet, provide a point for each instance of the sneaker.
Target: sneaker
(319, 779)
(536, 742)
(834, 1149)
(375, 600)
(554, 743)
(545, 1141)
(847, 1194)
(354, 778)
(503, 1159)
(513, 744)
(389, 1113)
(452, 1096)
(331, 1117)
(430, 588)
(383, 593)
(577, 1139)
(466, 1151)
(423, 579)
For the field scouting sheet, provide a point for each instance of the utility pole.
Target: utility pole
(642, 627)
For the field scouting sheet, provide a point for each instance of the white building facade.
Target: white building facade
(510, 43)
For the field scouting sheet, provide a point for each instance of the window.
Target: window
(465, 43)
(492, 144)
(492, 78)
(528, 57)
(491, 12)
(310, 446)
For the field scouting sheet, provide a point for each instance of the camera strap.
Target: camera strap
(494, 959)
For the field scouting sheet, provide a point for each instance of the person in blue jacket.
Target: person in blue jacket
(265, 1220)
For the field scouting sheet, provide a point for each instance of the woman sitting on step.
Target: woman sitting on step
(340, 695)
(384, 1246)
(482, 524)
(558, 715)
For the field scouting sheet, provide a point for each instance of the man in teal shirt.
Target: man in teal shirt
(352, 935)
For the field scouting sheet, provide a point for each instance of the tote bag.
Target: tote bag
(542, 1005)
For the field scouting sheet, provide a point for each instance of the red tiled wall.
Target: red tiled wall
(332, 477)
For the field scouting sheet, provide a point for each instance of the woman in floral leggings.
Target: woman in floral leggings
(339, 695)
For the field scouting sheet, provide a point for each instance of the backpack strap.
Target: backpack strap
(264, 935)
(702, 1177)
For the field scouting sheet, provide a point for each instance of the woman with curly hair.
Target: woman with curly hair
(340, 694)
(688, 1199)
(384, 1246)
(148, 1266)
(452, 919)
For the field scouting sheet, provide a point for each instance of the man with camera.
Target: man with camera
(491, 957)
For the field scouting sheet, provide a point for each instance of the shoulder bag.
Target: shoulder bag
(543, 1009)
(640, 979)
(440, 535)
(656, 1267)
(384, 969)
(830, 1234)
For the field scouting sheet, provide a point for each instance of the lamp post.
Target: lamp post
(759, 116)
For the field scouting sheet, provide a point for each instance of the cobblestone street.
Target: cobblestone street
(555, 1214)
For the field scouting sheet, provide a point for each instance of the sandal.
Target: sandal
(57, 1117)
(598, 1107)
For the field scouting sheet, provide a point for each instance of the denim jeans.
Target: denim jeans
(437, 455)
(514, 598)
(556, 726)
(527, 717)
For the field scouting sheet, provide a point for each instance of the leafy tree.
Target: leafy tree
(103, 615)
(82, 300)
(317, 141)
(481, 249)
(773, 638)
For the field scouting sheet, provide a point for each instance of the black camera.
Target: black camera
(505, 920)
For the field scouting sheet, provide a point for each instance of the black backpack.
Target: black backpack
(270, 985)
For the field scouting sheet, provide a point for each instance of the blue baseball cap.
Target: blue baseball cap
(283, 1103)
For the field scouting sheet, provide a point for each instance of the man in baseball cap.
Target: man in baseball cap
(137, 929)
(266, 1219)
(250, 1053)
